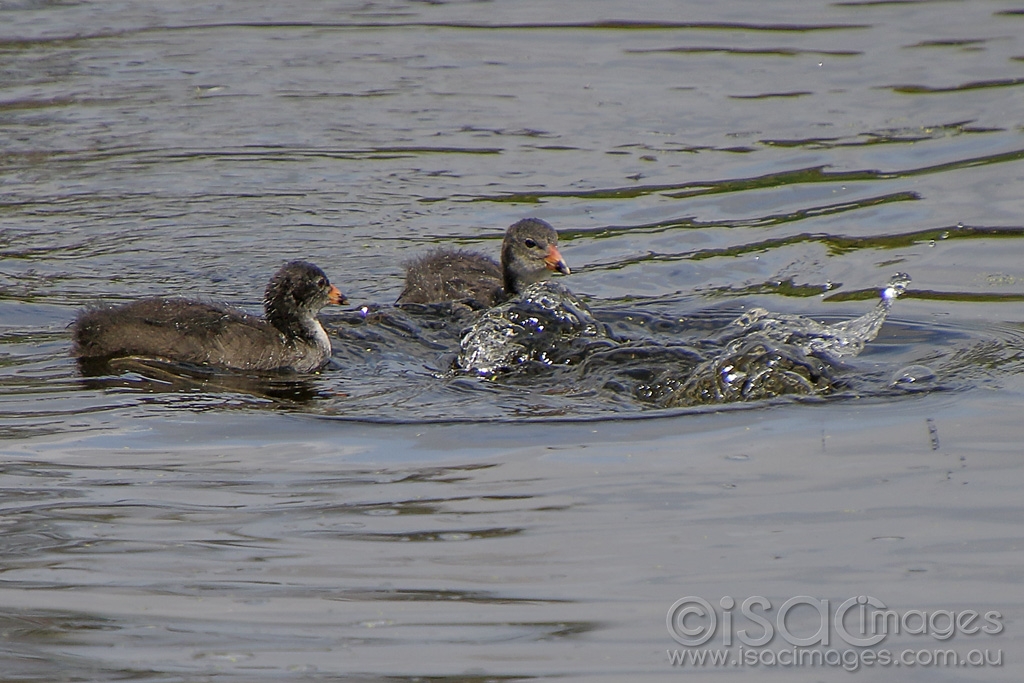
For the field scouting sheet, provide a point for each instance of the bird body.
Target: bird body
(288, 338)
(529, 252)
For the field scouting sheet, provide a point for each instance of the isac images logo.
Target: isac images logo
(808, 631)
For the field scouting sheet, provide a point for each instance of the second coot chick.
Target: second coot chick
(288, 338)
(528, 252)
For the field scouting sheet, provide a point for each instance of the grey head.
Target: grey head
(528, 253)
(295, 294)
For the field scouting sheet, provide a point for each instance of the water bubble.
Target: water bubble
(913, 378)
(895, 287)
(381, 512)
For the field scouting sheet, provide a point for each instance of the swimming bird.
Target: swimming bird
(528, 252)
(289, 337)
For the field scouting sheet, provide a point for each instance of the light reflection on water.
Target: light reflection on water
(699, 160)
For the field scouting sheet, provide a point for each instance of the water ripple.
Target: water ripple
(800, 176)
(963, 87)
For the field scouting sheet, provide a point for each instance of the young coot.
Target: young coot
(528, 252)
(288, 338)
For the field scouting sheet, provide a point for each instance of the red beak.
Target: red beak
(554, 261)
(335, 296)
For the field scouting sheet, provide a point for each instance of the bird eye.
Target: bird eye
(322, 282)
(530, 243)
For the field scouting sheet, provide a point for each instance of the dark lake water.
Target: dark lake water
(388, 519)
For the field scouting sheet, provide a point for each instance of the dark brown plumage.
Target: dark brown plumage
(288, 338)
(528, 252)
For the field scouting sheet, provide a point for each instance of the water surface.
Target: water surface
(699, 160)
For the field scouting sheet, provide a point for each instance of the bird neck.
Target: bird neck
(292, 323)
(515, 281)
(511, 278)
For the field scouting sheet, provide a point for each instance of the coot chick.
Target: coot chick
(288, 338)
(528, 252)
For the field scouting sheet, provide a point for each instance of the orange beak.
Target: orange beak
(554, 261)
(335, 296)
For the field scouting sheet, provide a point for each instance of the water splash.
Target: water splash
(546, 325)
(759, 355)
(764, 355)
(840, 340)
